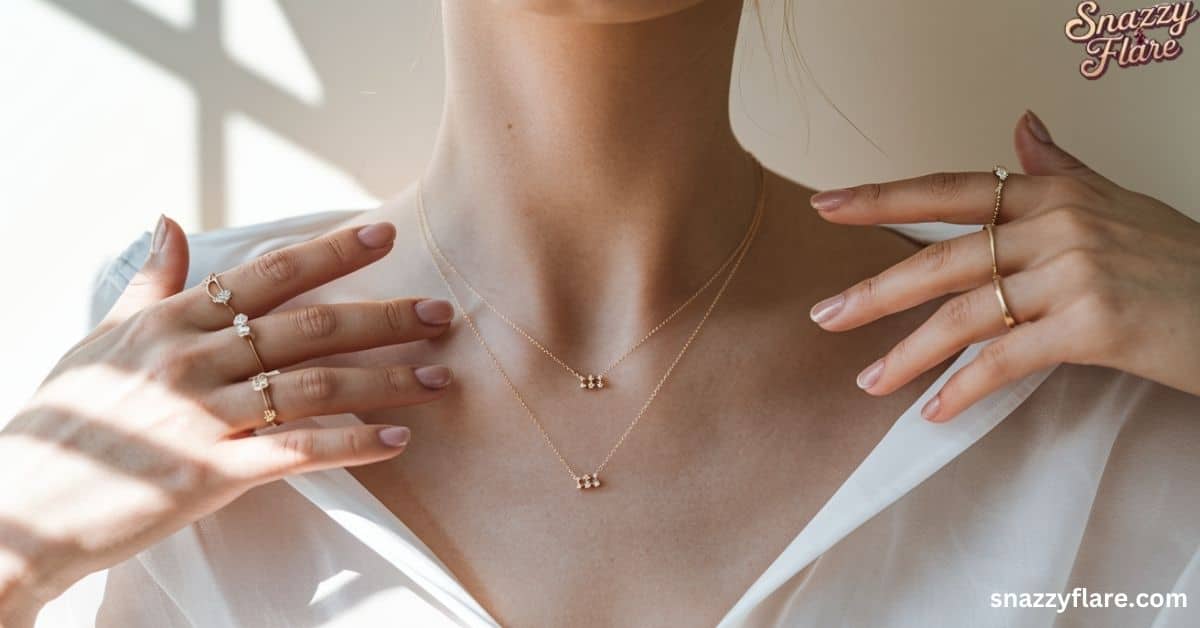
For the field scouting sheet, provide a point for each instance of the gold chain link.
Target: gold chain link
(738, 256)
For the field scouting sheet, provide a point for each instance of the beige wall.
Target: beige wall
(220, 112)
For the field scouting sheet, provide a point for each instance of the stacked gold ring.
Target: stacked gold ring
(241, 326)
(1001, 176)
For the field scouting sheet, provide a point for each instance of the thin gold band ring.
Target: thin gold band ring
(1009, 321)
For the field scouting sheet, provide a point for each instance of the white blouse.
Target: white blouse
(1073, 479)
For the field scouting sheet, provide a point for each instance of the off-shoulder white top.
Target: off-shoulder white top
(1071, 478)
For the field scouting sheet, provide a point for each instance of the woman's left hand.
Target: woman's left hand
(1092, 272)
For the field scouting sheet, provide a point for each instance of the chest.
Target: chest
(732, 458)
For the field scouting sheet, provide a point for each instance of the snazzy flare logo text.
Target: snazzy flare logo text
(1128, 38)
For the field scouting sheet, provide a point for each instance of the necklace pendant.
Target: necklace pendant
(591, 382)
(588, 480)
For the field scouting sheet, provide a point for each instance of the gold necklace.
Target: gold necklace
(592, 480)
(590, 381)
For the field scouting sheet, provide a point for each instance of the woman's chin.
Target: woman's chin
(601, 11)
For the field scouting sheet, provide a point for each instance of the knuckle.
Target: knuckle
(175, 365)
(1099, 310)
(956, 312)
(995, 359)
(1082, 268)
(397, 379)
(867, 291)
(353, 444)
(337, 250)
(315, 321)
(936, 256)
(871, 191)
(318, 384)
(902, 352)
(397, 314)
(276, 265)
(156, 320)
(1068, 189)
(297, 447)
(1073, 225)
(185, 477)
(944, 185)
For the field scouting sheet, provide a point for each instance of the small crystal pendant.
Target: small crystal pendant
(222, 296)
(591, 382)
(588, 480)
(1001, 172)
(241, 324)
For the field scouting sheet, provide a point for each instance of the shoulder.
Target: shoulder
(213, 251)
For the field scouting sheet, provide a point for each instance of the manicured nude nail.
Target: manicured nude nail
(160, 234)
(434, 311)
(827, 309)
(433, 376)
(378, 235)
(830, 200)
(1037, 128)
(870, 375)
(931, 408)
(394, 436)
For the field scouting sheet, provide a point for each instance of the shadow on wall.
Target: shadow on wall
(353, 99)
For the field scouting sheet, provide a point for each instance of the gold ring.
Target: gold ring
(992, 247)
(261, 383)
(1009, 321)
(1001, 176)
(218, 293)
(221, 295)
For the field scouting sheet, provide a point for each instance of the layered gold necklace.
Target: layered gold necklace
(592, 382)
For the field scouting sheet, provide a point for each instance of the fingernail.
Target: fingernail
(394, 436)
(831, 199)
(433, 376)
(870, 375)
(434, 311)
(931, 408)
(1037, 128)
(827, 309)
(160, 235)
(378, 235)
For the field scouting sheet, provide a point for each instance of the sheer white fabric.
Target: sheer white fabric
(1071, 477)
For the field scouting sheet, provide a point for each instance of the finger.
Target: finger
(161, 275)
(291, 336)
(1027, 348)
(319, 391)
(1039, 154)
(267, 457)
(953, 197)
(956, 265)
(260, 285)
(968, 318)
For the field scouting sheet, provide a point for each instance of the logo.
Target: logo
(1128, 38)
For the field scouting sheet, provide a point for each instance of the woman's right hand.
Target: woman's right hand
(149, 422)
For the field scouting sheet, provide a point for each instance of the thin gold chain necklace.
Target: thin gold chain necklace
(592, 480)
(590, 381)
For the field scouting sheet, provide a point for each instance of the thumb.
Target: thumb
(1039, 154)
(162, 274)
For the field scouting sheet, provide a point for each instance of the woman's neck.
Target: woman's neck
(581, 165)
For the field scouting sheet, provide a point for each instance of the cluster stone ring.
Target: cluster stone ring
(261, 383)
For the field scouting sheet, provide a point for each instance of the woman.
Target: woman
(585, 197)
